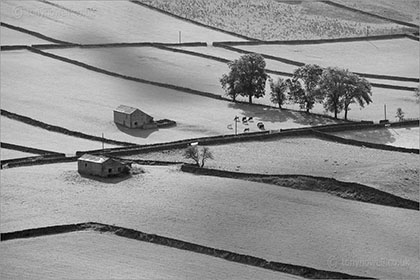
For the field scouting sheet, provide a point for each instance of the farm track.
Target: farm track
(303, 271)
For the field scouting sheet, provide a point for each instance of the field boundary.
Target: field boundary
(193, 21)
(61, 130)
(25, 149)
(332, 3)
(256, 136)
(315, 41)
(33, 33)
(346, 190)
(303, 271)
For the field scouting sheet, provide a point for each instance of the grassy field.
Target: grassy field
(244, 217)
(402, 137)
(398, 57)
(12, 37)
(92, 255)
(9, 154)
(392, 172)
(84, 101)
(404, 10)
(26, 135)
(277, 20)
(176, 68)
(103, 22)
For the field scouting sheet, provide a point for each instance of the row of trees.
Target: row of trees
(335, 88)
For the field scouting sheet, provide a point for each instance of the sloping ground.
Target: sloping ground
(23, 134)
(286, 225)
(277, 20)
(392, 172)
(103, 22)
(404, 10)
(398, 57)
(84, 100)
(91, 255)
(401, 137)
(12, 37)
(9, 154)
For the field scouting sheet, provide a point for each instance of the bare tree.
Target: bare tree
(200, 156)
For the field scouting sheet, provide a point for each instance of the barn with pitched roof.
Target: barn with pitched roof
(133, 118)
(102, 166)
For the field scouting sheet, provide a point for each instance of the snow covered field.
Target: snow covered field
(9, 154)
(12, 37)
(92, 255)
(286, 225)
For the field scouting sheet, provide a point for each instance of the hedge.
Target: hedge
(298, 270)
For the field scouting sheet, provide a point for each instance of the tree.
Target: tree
(333, 83)
(303, 86)
(417, 94)
(358, 90)
(200, 156)
(247, 77)
(400, 114)
(278, 91)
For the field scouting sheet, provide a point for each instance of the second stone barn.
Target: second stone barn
(133, 118)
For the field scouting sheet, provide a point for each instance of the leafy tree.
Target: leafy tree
(358, 90)
(303, 86)
(278, 91)
(417, 94)
(247, 77)
(333, 83)
(400, 114)
(200, 156)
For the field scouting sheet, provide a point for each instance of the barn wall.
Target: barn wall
(141, 119)
(113, 166)
(89, 168)
(121, 118)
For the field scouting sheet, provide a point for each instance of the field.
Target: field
(392, 172)
(239, 216)
(403, 10)
(26, 135)
(277, 20)
(90, 255)
(9, 154)
(400, 137)
(87, 106)
(12, 37)
(103, 22)
(396, 57)
(318, 230)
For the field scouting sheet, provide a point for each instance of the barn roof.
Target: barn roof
(125, 109)
(94, 158)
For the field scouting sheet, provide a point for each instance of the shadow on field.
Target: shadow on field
(110, 180)
(266, 114)
(136, 132)
(378, 136)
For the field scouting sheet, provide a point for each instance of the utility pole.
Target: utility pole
(236, 119)
(103, 146)
(385, 110)
(179, 37)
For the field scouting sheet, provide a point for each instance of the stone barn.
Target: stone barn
(102, 166)
(133, 118)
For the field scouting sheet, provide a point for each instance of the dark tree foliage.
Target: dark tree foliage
(278, 91)
(303, 86)
(247, 77)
